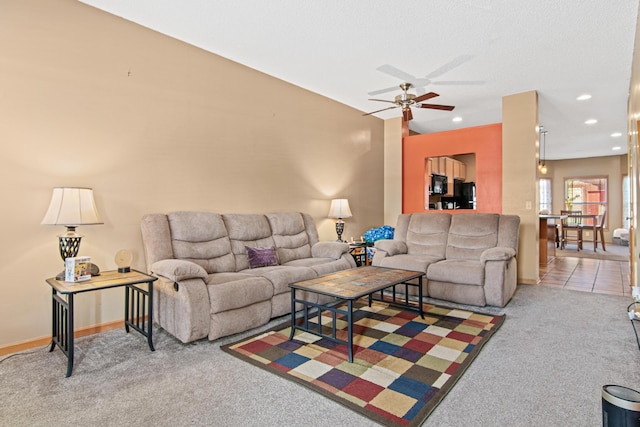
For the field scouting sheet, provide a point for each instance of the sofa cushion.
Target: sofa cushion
(332, 265)
(333, 250)
(156, 236)
(290, 236)
(280, 277)
(392, 247)
(408, 262)
(470, 234)
(247, 230)
(201, 237)
(464, 272)
(261, 257)
(508, 231)
(427, 234)
(228, 291)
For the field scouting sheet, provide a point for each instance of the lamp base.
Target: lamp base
(339, 229)
(69, 243)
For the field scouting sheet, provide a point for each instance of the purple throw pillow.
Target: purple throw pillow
(261, 257)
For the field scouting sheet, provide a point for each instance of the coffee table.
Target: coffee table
(350, 285)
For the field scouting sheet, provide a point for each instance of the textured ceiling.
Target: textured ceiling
(471, 52)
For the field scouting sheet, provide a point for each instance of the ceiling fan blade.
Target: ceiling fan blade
(425, 96)
(460, 82)
(379, 91)
(407, 115)
(378, 111)
(436, 106)
(455, 62)
(381, 100)
(393, 71)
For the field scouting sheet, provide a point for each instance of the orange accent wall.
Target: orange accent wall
(484, 141)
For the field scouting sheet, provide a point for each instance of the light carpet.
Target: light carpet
(545, 367)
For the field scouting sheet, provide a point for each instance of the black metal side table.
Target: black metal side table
(138, 306)
(359, 252)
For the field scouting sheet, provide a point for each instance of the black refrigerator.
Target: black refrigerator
(465, 194)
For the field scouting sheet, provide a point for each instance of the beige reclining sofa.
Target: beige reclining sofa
(468, 258)
(207, 284)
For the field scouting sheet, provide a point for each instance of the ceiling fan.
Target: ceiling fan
(407, 100)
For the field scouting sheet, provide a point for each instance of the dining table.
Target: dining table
(595, 219)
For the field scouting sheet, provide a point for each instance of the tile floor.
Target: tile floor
(588, 275)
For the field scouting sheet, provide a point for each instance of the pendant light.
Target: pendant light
(541, 165)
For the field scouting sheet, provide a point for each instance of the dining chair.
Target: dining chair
(599, 230)
(571, 229)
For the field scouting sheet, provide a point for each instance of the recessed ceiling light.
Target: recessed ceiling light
(584, 97)
(616, 134)
(591, 122)
(456, 119)
(616, 148)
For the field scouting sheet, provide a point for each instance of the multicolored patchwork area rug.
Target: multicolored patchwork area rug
(403, 365)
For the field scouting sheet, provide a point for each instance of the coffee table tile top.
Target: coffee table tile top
(356, 282)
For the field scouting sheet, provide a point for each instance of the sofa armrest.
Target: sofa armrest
(497, 254)
(333, 250)
(178, 269)
(391, 247)
(182, 309)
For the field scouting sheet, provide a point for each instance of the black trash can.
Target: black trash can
(620, 406)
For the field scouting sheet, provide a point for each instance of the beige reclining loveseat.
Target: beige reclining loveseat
(468, 258)
(207, 286)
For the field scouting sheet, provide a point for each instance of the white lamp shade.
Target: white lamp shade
(72, 207)
(340, 209)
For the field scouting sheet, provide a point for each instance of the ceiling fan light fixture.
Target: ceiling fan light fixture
(406, 101)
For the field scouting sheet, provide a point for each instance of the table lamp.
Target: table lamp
(71, 207)
(340, 209)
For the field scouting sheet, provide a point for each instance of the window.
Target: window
(587, 195)
(545, 195)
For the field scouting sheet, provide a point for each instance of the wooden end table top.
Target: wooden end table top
(106, 279)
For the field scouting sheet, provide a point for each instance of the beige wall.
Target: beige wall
(519, 182)
(612, 167)
(392, 170)
(153, 125)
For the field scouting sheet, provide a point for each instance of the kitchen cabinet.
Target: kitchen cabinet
(459, 170)
(427, 181)
(449, 167)
(442, 165)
